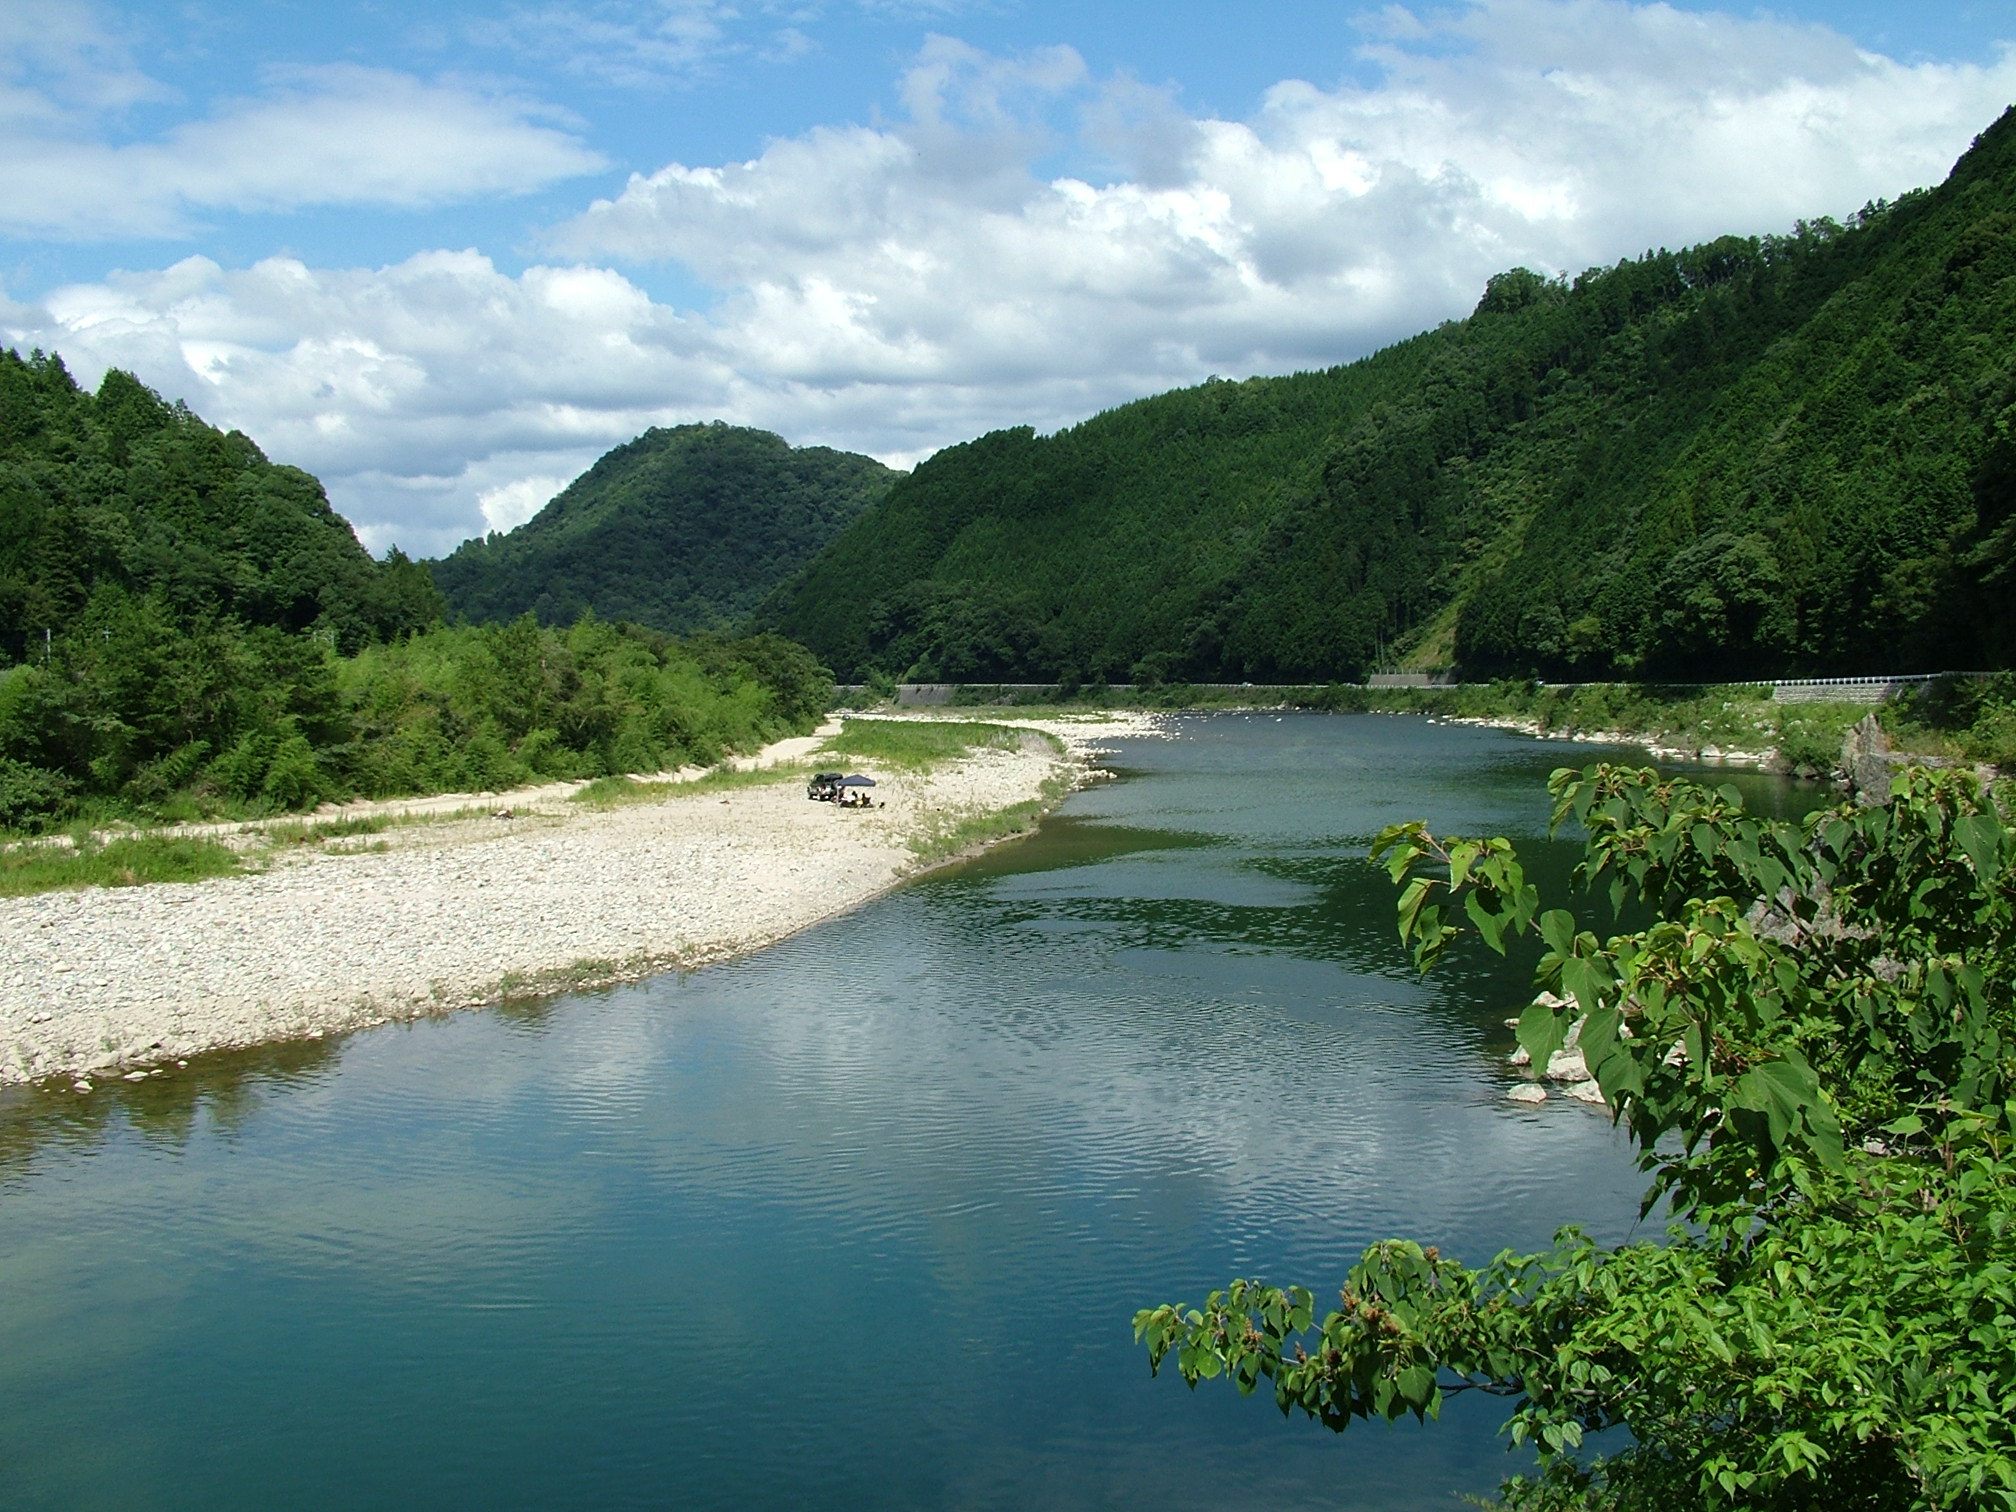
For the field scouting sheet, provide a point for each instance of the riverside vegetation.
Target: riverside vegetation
(1759, 456)
(188, 630)
(1814, 1048)
(1949, 719)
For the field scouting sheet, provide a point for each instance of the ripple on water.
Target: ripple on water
(858, 1222)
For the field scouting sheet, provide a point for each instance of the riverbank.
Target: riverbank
(1739, 724)
(471, 909)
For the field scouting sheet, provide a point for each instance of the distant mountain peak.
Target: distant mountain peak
(686, 528)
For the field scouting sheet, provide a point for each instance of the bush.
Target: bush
(30, 796)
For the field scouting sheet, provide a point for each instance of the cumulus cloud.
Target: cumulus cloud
(1555, 134)
(897, 286)
(511, 504)
(338, 135)
(412, 389)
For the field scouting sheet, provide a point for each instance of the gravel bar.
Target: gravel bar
(461, 913)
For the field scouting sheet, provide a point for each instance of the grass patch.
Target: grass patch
(130, 861)
(1972, 719)
(516, 986)
(961, 834)
(608, 792)
(1739, 717)
(918, 742)
(314, 833)
(616, 792)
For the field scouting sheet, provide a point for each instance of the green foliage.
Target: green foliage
(1759, 456)
(122, 493)
(917, 742)
(124, 862)
(131, 716)
(1974, 718)
(1814, 1048)
(682, 529)
(490, 707)
(187, 629)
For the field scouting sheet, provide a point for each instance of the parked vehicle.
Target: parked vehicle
(849, 791)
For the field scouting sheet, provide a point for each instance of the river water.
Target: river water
(859, 1222)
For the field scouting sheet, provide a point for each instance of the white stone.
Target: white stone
(1588, 1092)
(1567, 1066)
(1527, 1092)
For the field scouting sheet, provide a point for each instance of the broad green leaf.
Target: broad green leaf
(1489, 921)
(1982, 837)
(1542, 1031)
(1557, 928)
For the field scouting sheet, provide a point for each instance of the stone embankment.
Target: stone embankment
(460, 912)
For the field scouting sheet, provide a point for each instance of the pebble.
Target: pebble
(322, 943)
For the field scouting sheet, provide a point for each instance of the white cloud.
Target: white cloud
(57, 60)
(337, 135)
(651, 44)
(1557, 134)
(410, 389)
(895, 287)
(628, 44)
(509, 505)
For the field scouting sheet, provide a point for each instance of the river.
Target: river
(858, 1222)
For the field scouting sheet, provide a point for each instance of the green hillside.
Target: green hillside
(187, 630)
(1762, 455)
(681, 529)
(119, 494)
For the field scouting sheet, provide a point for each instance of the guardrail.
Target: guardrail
(1869, 690)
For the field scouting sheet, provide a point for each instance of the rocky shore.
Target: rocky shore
(459, 912)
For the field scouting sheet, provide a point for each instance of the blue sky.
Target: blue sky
(445, 254)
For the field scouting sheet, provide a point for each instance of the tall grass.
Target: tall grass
(128, 861)
(917, 742)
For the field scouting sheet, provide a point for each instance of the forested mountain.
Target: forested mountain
(187, 629)
(1761, 455)
(681, 529)
(121, 494)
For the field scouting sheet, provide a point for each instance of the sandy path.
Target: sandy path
(457, 914)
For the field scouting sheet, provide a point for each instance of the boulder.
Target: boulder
(1567, 1066)
(1526, 1092)
(1866, 762)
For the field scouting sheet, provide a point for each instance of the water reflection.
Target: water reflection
(221, 1091)
(858, 1222)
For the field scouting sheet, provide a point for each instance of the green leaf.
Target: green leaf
(1585, 981)
(1982, 837)
(1417, 1385)
(1557, 928)
(1779, 1089)
(1542, 1031)
(1490, 923)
